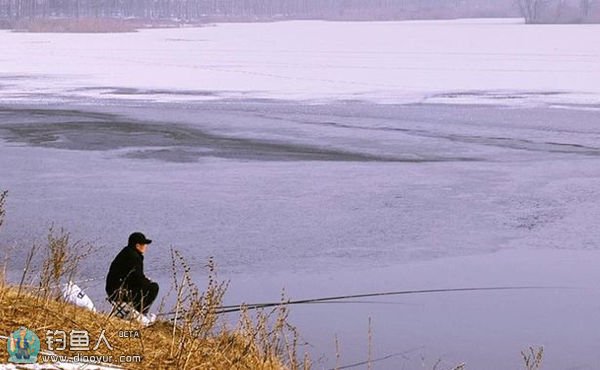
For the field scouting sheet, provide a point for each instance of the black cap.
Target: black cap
(138, 238)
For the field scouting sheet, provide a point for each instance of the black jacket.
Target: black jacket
(127, 271)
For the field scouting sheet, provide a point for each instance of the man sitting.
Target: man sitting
(126, 282)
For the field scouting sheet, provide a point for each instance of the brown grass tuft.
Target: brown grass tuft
(2, 204)
(532, 358)
(61, 261)
(264, 340)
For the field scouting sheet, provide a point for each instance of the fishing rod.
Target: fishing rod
(255, 306)
(387, 357)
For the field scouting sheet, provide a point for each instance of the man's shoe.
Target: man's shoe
(145, 320)
(151, 317)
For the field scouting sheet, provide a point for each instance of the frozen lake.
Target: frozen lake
(306, 162)
(337, 199)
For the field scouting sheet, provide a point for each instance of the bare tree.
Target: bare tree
(531, 10)
(585, 6)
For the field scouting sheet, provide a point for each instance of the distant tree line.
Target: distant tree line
(534, 11)
(254, 9)
(560, 11)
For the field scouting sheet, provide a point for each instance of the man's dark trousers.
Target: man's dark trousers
(145, 297)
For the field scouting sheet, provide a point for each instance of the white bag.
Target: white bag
(75, 295)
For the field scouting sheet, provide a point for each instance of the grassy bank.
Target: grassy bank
(195, 336)
(161, 346)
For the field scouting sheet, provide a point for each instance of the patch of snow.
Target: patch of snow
(313, 61)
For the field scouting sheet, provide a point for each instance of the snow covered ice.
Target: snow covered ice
(463, 61)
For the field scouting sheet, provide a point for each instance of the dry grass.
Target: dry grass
(2, 204)
(89, 25)
(7, 251)
(265, 337)
(61, 262)
(76, 25)
(196, 337)
(224, 350)
(532, 358)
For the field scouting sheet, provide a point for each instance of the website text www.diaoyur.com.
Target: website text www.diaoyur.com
(93, 359)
